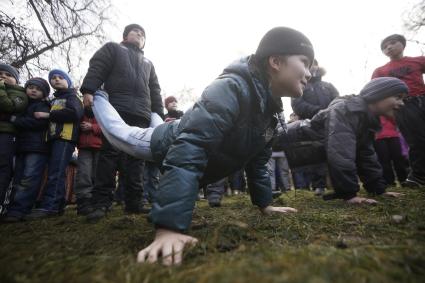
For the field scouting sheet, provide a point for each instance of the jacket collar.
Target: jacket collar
(132, 46)
(258, 84)
(65, 92)
(358, 104)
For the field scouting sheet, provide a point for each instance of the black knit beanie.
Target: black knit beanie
(129, 28)
(284, 41)
(395, 37)
(381, 88)
(41, 83)
(11, 70)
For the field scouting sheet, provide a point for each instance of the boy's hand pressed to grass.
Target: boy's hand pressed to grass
(170, 244)
(276, 209)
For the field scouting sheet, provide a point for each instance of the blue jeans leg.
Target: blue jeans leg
(53, 199)
(29, 173)
(151, 180)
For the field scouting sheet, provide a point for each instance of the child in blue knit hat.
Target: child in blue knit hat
(62, 135)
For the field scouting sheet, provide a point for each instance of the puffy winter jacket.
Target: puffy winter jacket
(65, 116)
(229, 128)
(13, 101)
(349, 130)
(90, 139)
(389, 129)
(31, 135)
(316, 96)
(128, 77)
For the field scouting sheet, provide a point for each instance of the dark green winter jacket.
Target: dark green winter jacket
(13, 101)
(229, 128)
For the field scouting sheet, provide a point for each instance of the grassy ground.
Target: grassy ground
(323, 242)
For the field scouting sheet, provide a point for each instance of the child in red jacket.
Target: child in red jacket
(89, 144)
(388, 149)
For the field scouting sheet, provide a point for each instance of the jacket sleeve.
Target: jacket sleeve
(258, 178)
(12, 99)
(341, 146)
(97, 131)
(183, 167)
(32, 123)
(100, 66)
(370, 170)
(303, 108)
(332, 91)
(72, 113)
(155, 91)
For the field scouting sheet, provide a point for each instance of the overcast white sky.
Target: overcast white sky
(190, 42)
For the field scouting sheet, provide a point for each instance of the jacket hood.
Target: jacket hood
(65, 92)
(356, 103)
(256, 82)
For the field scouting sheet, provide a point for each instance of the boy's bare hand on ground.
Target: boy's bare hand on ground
(87, 100)
(169, 245)
(360, 200)
(41, 115)
(392, 194)
(276, 209)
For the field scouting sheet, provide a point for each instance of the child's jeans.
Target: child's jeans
(86, 172)
(53, 198)
(26, 185)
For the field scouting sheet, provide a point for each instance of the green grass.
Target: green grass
(323, 242)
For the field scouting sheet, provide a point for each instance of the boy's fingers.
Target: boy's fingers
(290, 209)
(141, 256)
(370, 201)
(153, 255)
(191, 241)
(178, 253)
(167, 254)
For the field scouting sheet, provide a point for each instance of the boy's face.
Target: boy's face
(136, 37)
(393, 49)
(34, 92)
(58, 82)
(388, 106)
(289, 75)
(172, 106)
(7, 78)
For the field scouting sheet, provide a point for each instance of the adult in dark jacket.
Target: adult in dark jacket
(132, 84)
(316, 96)
(229, 128)
(347, 128)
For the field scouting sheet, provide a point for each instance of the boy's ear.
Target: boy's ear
(275, 62)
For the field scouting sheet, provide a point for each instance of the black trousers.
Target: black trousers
(7, 152)
(389, 155)
(411, 122)
(131, 172)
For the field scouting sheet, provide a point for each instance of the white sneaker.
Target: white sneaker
(319, 191)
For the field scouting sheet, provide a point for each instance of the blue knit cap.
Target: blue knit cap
(62, 74)
(41, 83)
(11, 70)
(381, 88)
